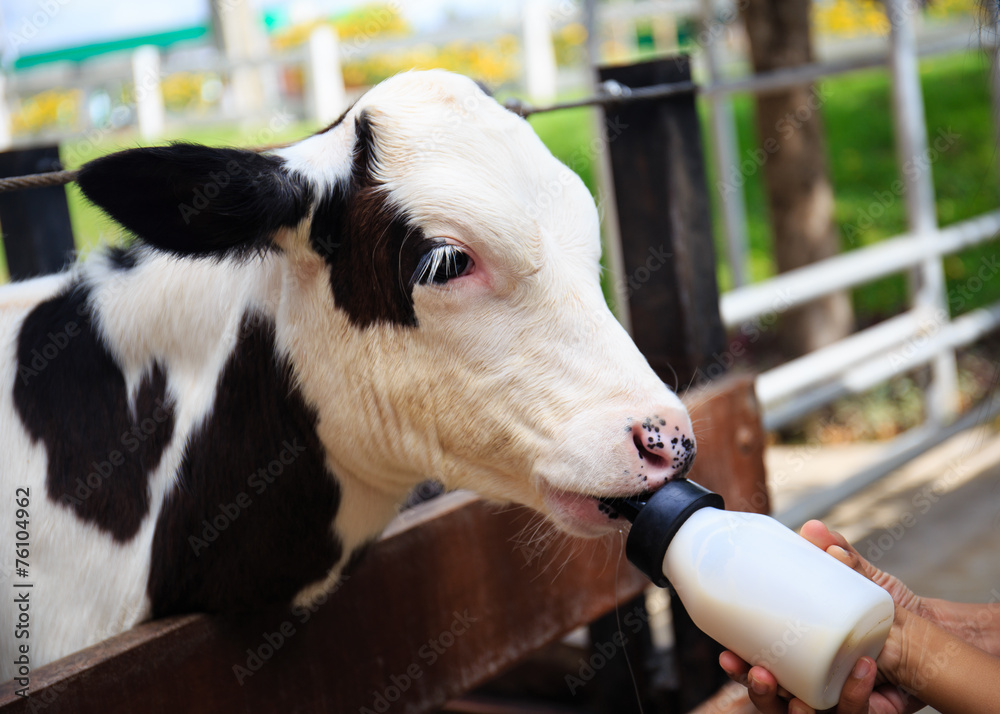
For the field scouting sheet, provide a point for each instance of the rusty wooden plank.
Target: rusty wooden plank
(731, 441)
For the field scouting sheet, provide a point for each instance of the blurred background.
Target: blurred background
(94, 76)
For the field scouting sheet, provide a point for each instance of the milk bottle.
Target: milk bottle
(758, 588)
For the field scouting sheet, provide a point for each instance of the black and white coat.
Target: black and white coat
(223, 413)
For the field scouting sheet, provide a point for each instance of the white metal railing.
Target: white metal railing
(848, 270)
(926, 334)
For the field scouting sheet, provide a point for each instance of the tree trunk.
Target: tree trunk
(800, 196)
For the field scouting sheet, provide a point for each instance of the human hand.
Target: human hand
(836, 545)
(859, 695)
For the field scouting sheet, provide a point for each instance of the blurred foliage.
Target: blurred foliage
(850, 18)
(491, 62)
(356, 26)
(570, 44)
(191, 91)
(51, 109)
(854, 18)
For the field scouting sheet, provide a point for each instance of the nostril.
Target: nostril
(647, 453)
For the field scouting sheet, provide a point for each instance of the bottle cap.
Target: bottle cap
(656, 518)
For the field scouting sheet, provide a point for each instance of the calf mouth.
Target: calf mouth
(592, 516)
(624, 506)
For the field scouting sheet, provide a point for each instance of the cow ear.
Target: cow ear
(197, 200)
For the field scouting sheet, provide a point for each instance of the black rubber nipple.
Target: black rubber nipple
(656, 517)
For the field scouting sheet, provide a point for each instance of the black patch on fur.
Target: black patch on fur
(71, 396)
(227, 538)
(370, 247)
(197, 200)
(122, 257)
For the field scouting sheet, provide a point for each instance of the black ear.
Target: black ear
(196, 200)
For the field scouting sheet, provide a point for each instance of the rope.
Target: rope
(608, 93)
(51, 178)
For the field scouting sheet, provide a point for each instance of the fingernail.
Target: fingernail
(837, 552)
(862, 669)
(757, 687)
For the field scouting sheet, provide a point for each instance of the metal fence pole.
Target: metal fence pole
(725, 152)
(327, 97)
(928, 286)
(989, 40)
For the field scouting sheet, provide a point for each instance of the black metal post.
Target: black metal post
(37, 234)
(665, 221)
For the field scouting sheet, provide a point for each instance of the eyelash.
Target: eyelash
(441, 264)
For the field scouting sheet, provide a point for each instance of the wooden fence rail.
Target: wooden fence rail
(444, 602)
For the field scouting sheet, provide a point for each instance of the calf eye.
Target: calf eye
(440, 264)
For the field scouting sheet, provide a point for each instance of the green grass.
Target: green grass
(861, 159)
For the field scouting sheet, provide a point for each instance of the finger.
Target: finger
(763, 690)
(858, 688)
(818, 534)
(897, 700)
(848, 559)
(836, 545)
(734, 666)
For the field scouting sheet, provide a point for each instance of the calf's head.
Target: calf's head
(435, 279)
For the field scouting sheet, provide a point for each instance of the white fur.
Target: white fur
(517, 383)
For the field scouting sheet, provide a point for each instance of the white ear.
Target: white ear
(325, 159)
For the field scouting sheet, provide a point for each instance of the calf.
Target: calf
(224, 412)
